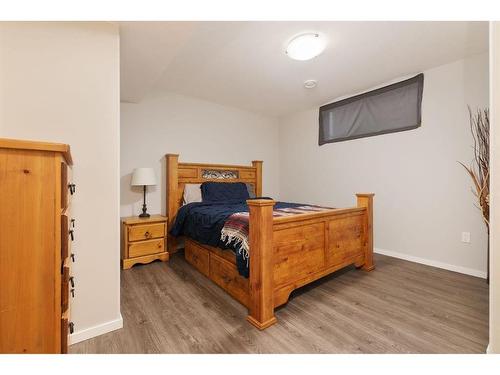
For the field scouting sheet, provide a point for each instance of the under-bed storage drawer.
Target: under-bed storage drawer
(146, 232)
(146, 248)
(198, 257)
(225, 274)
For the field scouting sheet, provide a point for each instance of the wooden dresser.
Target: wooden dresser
(36, 231)
(143, 240)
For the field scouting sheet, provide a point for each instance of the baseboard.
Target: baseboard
(433, 263)
(97, 330)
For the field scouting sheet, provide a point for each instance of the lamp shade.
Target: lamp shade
(143, 176)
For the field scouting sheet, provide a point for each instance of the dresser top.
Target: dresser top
(39, 146)
(146, 220)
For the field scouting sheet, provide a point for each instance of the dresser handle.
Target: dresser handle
(72, 291)
(72, 256)
(72, 235)
(72, 188)
(72, 281)
(71, 327)
(72, 223)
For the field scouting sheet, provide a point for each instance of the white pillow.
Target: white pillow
(192, 193)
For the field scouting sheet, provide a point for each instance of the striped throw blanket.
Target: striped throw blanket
(235, 230)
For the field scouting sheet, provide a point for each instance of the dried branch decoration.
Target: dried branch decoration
(479, 170)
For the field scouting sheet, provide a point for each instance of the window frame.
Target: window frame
(419, 79)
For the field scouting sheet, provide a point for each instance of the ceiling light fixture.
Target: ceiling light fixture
(305, 46)
(310, 83)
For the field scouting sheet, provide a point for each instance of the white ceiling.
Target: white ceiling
(243, 64)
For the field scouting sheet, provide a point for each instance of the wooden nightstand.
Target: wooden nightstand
(144, 240)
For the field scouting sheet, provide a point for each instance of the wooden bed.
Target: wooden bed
(285, 252)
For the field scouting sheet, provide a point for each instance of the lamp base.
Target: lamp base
(144, 208)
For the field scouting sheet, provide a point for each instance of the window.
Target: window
(389, 109)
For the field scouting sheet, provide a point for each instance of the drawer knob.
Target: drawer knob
(147, 234)
(72, 281)
(72, 291)
(71, 233)
(71, 327)
(72, 256)
(72, 188)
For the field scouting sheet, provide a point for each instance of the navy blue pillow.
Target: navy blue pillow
(224, 191)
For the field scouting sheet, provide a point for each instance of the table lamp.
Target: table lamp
(143, 177)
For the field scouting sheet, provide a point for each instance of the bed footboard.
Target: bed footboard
(289, 252)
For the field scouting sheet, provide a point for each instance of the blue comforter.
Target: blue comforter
(203, 222)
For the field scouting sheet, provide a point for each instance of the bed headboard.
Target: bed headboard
(179, 174)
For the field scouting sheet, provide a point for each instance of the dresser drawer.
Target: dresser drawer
(64, 186)
(146, 232)
(67, 328)
(64, 237)
(68, 189)
(146, 248)
(64, 334)
(67, 236)
(65, 289)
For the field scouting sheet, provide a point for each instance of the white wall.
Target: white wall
(494, 346)
(60, 82)
(199, 131)
(423, 196)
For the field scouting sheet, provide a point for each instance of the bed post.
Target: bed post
(366, 200)
(258, 177)
(172, 196)
(261, 304)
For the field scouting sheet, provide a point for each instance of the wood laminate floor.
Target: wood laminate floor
(400, 307)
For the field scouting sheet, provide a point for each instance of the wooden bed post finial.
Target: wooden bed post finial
(366, 200)
(261, 303)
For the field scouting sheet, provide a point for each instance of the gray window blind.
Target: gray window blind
(389, 109)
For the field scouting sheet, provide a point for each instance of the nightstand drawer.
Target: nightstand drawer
(146, 247)
(143, 240)
(146, 232)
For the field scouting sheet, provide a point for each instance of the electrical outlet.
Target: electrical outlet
(466, 237)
